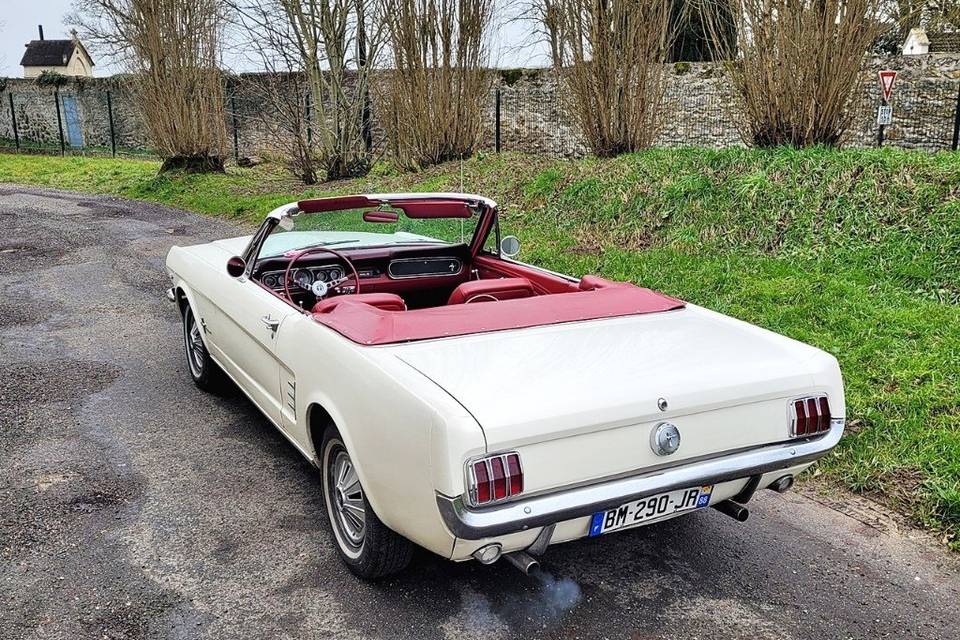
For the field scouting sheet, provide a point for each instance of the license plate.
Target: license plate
(648, 509)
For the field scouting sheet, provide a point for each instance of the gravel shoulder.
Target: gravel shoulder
(135, 506)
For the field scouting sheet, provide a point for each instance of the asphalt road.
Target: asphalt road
(134, 505)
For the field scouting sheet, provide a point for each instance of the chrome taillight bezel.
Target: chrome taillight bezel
(821, 414)
(472, 482)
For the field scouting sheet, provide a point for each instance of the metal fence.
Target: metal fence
(70, 123)
(532, 117)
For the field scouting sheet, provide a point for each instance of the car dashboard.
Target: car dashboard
(422, 275)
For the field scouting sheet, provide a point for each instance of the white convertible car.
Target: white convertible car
(480, 407)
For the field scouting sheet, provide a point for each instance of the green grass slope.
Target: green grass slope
(857, 252)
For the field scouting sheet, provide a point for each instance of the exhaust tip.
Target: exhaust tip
(781, 485)
(736, 511)
(524, 562)
(488, 554)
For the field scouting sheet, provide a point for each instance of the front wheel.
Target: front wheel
(204, 371)
(369, 549)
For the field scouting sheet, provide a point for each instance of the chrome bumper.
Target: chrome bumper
(537, 511)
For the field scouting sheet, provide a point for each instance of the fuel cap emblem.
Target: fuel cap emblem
(665, 439)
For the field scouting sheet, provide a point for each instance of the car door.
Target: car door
(243, 336)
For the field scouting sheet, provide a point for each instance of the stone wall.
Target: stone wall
(35, 108)
(536, 114)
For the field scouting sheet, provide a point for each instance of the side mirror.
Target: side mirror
(510, 246)
(380, 216)
(236, 266)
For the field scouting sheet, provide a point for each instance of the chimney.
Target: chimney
(40, 28)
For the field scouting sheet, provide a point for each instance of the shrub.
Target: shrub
(796, 65)
(614, 54)
(51, 79)
(440, 84)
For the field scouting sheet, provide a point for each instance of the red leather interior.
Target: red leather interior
(543, 281)
(500, 288)
(384, 301)
(367, 324)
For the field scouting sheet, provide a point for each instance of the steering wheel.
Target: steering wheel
(320, 288)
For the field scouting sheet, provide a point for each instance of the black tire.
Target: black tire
(377, 551)
(204, 371)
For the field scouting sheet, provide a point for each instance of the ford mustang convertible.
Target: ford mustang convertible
(457, 399)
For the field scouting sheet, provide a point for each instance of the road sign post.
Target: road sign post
(885, 111)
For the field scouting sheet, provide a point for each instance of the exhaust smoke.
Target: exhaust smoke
(556, 597)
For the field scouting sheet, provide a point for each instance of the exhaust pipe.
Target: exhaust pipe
(523, 561)
(781, 485)
(736, 511)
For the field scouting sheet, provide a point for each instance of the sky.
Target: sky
(19, 20)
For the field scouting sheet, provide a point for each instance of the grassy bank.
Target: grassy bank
(857, 252)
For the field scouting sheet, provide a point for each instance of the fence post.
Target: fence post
(236, 127)
(956, 122)
(16, 132)
(496, 119)
(113, 135)
(56, 102)
(883, 102)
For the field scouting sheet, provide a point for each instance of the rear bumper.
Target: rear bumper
(538, 511)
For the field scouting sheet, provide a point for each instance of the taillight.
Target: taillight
(494, 478)
(809, 416)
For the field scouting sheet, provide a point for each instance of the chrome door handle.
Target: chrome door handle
(270, 323)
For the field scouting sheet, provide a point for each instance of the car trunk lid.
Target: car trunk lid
(579, 400)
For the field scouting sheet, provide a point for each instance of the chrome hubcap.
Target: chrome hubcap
(347, 499)
(195, 349)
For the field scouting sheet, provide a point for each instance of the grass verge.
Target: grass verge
(857, 252)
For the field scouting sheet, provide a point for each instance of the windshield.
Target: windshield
(347, 229)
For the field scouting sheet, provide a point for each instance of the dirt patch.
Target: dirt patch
(94, 501)
(17, 257)
(585, 249)
(11, 316)
(105, 209)
(26, 384)
(590, 240)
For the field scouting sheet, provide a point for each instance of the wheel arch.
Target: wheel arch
(181, 297)
(318, 419)
(321, 415)
(184, 298)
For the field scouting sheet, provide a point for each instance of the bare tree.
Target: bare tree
(281, 96)
(544, 22)
(615, 51)
(281, 107)
(798, 65)
(172, 49)
(932, 15)
(439, 83)
(334, 44)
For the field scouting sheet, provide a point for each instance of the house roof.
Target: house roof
(944, 42)
(50, 53)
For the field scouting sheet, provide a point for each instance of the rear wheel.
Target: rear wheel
(366, 545)
(204, 371)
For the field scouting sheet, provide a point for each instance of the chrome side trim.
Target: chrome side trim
(474, 524)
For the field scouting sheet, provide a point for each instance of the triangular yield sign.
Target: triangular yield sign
(887, 78)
